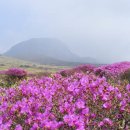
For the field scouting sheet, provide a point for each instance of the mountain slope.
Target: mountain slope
(45, 51)
(8, 62)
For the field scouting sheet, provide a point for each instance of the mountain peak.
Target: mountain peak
(45, 51)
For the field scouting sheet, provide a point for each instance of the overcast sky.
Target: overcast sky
(93, 28)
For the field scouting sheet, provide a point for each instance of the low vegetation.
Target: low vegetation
(83, 98)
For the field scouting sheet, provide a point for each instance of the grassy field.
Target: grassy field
(8, 62)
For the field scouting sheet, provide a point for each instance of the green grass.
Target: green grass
(8, 62)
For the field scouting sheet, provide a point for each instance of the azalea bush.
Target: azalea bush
(81, 98)
(112, 71)
(16, 73)
(12, 76)
(79, 69)
(126, 75)
(78, 102)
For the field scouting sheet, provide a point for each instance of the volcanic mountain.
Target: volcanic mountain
(46, 51)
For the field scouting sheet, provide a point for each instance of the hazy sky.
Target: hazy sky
(93, 28)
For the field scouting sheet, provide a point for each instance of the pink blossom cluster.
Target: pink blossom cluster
(88, 68)
(2, 72)
(77, 102)
(113, 70)
(16, 72)
(109, 71)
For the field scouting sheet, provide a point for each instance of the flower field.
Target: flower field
(82, 98)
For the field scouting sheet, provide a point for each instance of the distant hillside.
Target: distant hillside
(8, 62)
(46, 51)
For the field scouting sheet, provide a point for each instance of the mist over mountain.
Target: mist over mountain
(46, 51)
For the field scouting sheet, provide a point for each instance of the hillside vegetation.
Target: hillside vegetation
(8, 62)
(82, 98)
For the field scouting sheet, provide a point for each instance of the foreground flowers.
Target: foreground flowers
(76, 102)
